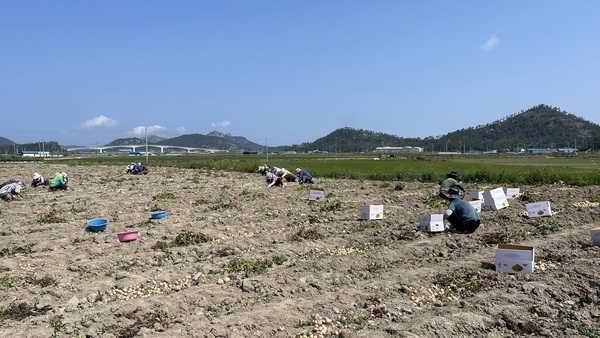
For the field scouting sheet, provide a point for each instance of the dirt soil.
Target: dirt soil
(234, 258)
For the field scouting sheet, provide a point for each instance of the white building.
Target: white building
(34, 153)
(407, 149)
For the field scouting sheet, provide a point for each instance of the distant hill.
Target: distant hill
(129, 141)
(542, 126)
(239, 140)
(153, 139)
(5, 141)
(214, 140)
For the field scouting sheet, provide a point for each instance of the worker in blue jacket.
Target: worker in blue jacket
(304, 176)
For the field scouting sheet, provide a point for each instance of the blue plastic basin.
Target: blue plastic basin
(158, 215)
(97, 224)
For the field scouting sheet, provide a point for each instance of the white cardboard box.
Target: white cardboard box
(512, 192)
(369, 212)
(478, 195)
(476, 204)
(316, 194)
(595, 233)
(495, 199)
(514, 258)
(538, 209)
(432, 223)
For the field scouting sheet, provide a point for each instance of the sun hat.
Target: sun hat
(453, 174)
(36, 176)
(452, 193)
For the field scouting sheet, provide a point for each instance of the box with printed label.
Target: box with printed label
(512, 192)
(514, 258)
(476, 204)
(478, 195)
(369, 212)
(432, 223)
(316, 194)
(595, 233)
(495, 199)
(538, 209)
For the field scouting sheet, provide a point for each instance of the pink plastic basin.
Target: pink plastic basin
(128, 236)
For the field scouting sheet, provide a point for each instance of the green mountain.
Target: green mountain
(5, 141)
(214, 140)
(239, 140)
(128, 141)
(542, 126)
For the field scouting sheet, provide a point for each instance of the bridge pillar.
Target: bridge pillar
(162, 150)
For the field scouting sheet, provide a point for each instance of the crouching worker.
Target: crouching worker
(462, 216)
(287, 175)
(59, 182)
(273, 179)
(451, 181)
(304, 176)
(38, 180)
(11, 190)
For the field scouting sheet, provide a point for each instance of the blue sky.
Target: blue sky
(88, 72)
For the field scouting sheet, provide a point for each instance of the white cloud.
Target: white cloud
(181, 130)
(99, 121)
(152, 130)
(490, 43)
(222, 124)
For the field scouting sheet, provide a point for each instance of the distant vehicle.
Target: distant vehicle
(250, 152)
(134, 153)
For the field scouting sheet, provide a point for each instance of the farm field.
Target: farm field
(234, 258)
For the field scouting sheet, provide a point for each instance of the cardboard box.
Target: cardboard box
(595, 236)
(495, 199)
(316, 194)
(369, 212)
(512, 192)
(432, 223)
(478, 195)
(538, 209)
(476, 204)
(514, 258)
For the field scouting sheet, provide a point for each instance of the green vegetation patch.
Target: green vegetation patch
(502, 236)
(7, 281)
(583, 329)
(51, 217)
(16, 250)
(18, 311)
(546, 226)
(183, 239)
(163, 196)
(43, 281)
(307, 233)
(464, 282)
(252, 195)
(251, 267)
(436, 201)
(328, 205)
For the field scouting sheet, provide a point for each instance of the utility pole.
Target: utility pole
(146, 145)
(336, 148)
(267, 148)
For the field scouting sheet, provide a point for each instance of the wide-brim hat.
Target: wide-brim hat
(453, 174)
(452, 193)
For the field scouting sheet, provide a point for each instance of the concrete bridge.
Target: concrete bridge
(139, 148)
